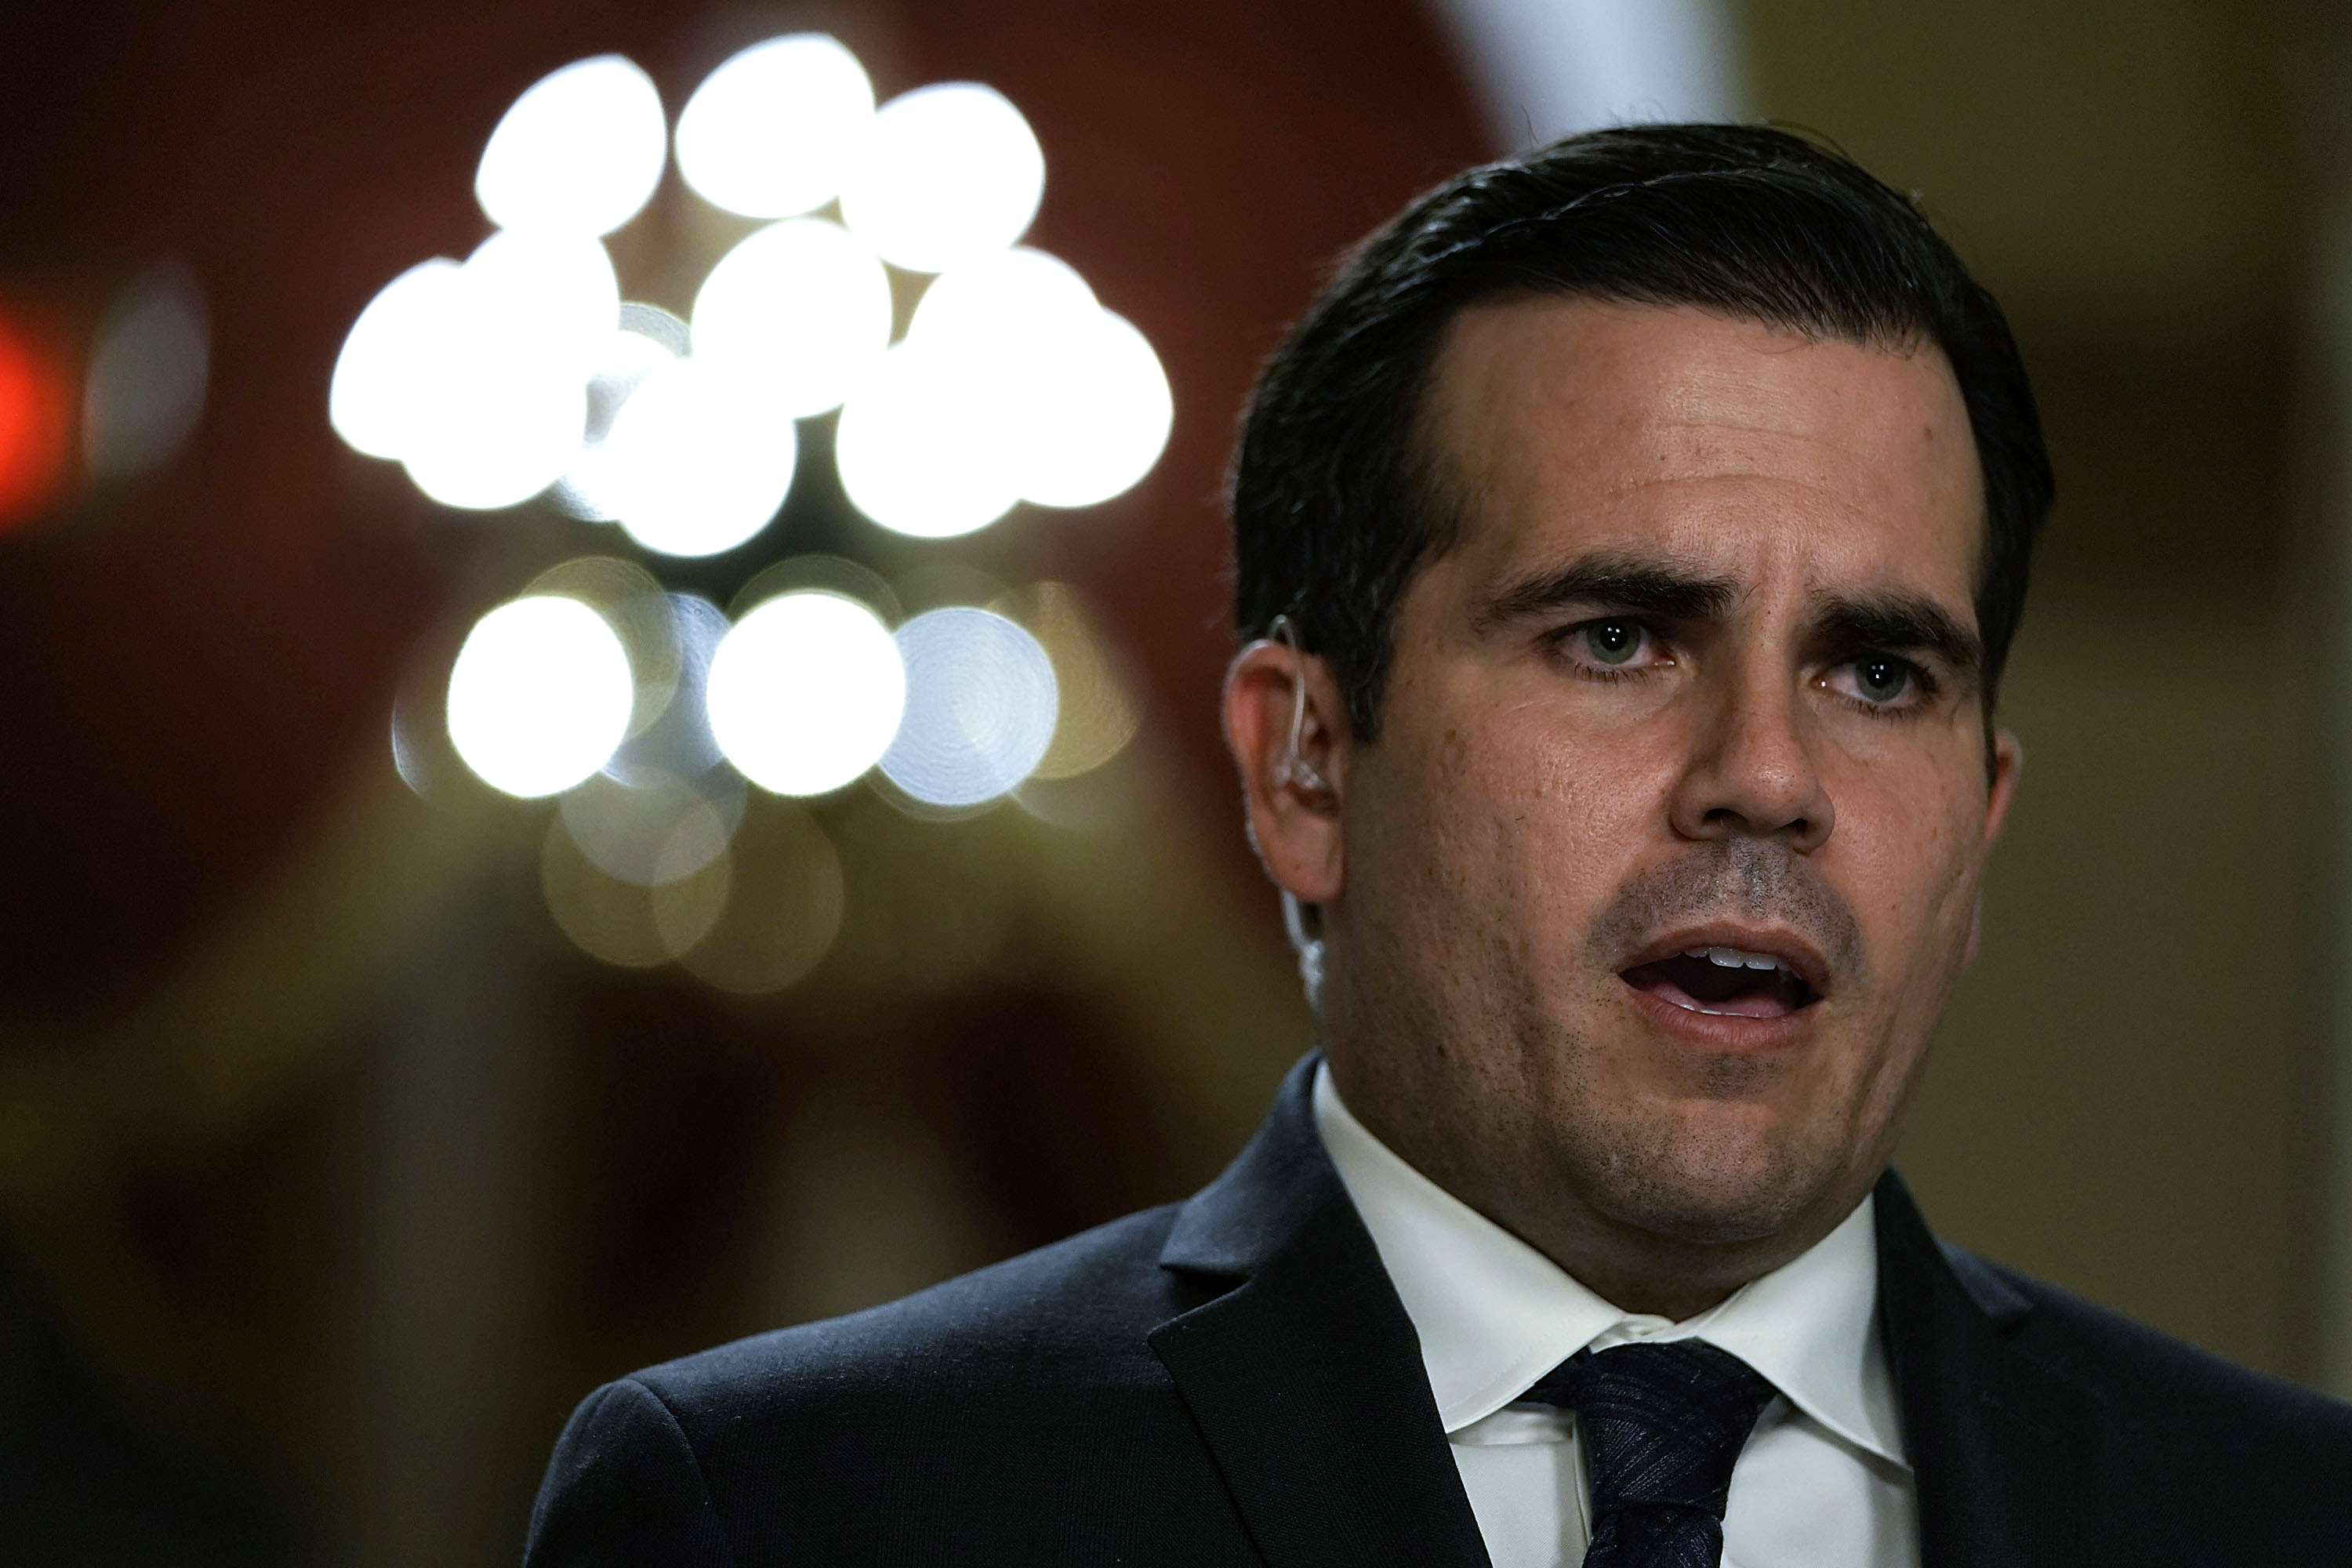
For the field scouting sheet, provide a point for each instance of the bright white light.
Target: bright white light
(551, 295)
(801, 307)
(981, 707)
(1013, 384)
(768, 133)
(1081, 401)
(498, 428)
(1100, 417)
(580, 152)
(696, 462)
(947, 174)
(923, 446)
(806, 693)
(627, 360)
(628, 357)
(540, 695)
(475, 377)
(385, 375)
(997, 306)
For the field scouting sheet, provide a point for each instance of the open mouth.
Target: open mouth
(1729, 980)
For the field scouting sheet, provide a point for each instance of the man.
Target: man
(1630, 541)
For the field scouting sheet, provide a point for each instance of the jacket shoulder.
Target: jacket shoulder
(1023, 1393)
(2167, 1395)
(1040, 1318)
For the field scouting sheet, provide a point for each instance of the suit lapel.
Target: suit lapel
(1303, 1375)
(2000, 1445)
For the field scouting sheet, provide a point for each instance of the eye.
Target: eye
(1882, 679)
(1610, 642)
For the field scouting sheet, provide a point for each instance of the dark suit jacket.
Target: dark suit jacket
(1233, 1381)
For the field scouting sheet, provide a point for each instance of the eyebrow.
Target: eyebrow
(1902, 622)
(1675, 590)
(1666, 588)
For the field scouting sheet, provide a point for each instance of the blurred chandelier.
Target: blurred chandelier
(522, 374)
(520, 369)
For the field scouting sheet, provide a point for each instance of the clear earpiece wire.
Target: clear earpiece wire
(1308, 948)
(1300, 921)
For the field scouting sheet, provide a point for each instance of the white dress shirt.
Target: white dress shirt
(1823, 1482)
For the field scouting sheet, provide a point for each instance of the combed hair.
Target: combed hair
(1336, 500)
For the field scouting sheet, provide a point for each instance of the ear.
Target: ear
(2007, 762)
(1292, 802)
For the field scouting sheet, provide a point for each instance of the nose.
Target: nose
(1751, 772)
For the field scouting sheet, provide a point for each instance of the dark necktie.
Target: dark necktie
(1661, 1425)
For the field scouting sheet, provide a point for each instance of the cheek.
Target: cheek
(1521, 834)
(1908, 852)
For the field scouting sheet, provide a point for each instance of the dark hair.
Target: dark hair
(1336, 501)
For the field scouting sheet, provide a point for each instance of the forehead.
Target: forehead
(1814, 464)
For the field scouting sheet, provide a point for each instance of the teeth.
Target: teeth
(1734, 958)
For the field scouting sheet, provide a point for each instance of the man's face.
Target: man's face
(1666, 856)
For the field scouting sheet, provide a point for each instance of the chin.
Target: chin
(1712, 1185)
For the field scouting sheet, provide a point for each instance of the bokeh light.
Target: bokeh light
(540, 695)
(998, 306)
(1100, 419)
(655, 830)
(799, 311)
(656, 629)
(652, 322)
(696, 463)
(784, 906)
(827, 573)
(669, 733)
(579, 153)
(629, 354)
(947, 174)
(923, 446)
(806, 692)
(35, 427)
(615, 588)
(1099, 714)
(499, 428)
(554, 297)
(475, 377)
(149, 362)
(522, 372)
(631, 924)
(769, 131)
(386, 373)
(981, 702)
(1013, 384)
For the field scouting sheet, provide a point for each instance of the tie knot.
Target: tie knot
(1662, 1424)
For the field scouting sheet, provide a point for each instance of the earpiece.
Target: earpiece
(1304, 925)
(1296, 769)
(1302, 922)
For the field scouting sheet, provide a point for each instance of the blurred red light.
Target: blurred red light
(35, 429)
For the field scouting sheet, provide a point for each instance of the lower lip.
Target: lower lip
(1725, 1031)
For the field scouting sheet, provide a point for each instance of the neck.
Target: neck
(1638, 1273)
(1662, 1262)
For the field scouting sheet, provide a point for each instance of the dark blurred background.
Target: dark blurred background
(332, 1173)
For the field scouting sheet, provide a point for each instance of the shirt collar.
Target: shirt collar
(1493, 1314)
